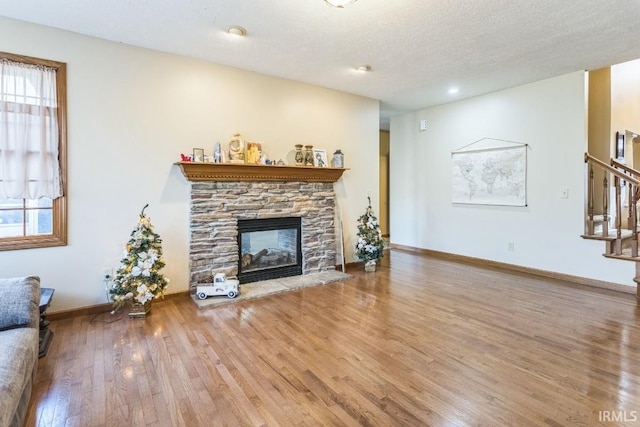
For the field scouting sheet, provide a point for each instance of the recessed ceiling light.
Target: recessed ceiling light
(363, 68)
(236, 30)
(453, 91)
(340, 4)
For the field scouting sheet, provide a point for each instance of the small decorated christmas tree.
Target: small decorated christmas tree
(139, 279)
(370, 244)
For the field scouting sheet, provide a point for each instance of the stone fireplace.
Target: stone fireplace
(221, 199)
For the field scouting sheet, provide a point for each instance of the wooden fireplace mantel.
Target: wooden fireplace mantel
(203, 171)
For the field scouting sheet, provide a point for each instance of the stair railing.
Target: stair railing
(635, 174)
(620, 176)
(633, 198)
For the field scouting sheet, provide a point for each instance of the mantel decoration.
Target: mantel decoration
(370, 244)
(138, 280)
(242, 151)
(236, 148)
(338, 159)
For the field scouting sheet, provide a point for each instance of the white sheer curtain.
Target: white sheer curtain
(29, 166)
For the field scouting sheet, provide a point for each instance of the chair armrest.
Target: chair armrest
(19, 301)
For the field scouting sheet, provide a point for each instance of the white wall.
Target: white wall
(132, 111)
(625, 97)
(549, 116)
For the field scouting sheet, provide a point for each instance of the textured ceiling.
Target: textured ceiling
(418, 48)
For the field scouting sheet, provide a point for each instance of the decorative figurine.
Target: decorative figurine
(220, 286)
(217, 153)
(236, 149)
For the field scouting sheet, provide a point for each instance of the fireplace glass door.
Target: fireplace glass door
(269, 248)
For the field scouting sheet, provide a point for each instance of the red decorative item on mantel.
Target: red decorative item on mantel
(185, 158)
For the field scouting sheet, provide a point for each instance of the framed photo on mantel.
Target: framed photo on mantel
(320, 158)
(198, 154)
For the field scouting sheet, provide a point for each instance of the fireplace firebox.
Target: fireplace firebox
(269, 248)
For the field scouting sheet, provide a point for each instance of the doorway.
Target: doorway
(384, 183)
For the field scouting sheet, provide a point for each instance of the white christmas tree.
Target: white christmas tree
(139, 279)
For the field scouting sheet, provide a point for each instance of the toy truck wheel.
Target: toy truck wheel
(202, 295)
(232, 294)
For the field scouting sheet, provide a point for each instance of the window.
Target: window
(32, 152)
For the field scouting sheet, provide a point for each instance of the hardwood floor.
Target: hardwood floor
(421, 342)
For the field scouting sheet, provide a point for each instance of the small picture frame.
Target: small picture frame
(320, 158)
(198, 154)
(620, 145)
(253, 153)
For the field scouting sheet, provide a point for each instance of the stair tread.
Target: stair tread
(613, 234)
(625, 256)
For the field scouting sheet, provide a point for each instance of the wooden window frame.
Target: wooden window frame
(58, 237)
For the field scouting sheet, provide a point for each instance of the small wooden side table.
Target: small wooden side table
(46, 334)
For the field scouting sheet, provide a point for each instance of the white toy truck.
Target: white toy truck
(220, 286)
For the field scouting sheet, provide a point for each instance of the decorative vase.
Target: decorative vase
(338, 159)
(299, 155)
(308, 155)
(370, 266)
(138, 310)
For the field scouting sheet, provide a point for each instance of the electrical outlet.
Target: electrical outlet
(107, 274)
(511, 246)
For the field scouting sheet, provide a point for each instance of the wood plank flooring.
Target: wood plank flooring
(421, 342)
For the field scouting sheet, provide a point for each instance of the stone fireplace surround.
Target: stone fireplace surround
(217, 206)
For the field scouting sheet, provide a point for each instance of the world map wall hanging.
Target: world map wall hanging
(490, 172)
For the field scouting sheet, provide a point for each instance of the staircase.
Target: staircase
(621, 238)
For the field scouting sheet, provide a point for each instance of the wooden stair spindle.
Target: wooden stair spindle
(637, 280)
(631, 216)
(618, 241)
(590, 204)
(633, 200)
(605, 206)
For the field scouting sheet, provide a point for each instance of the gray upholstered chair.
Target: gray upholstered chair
(19, 345)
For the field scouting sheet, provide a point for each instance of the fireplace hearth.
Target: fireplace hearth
(269, 248)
